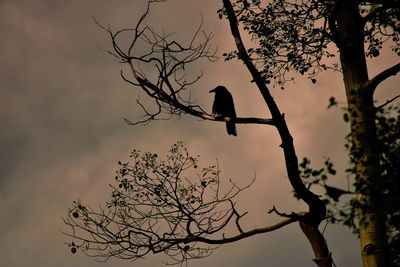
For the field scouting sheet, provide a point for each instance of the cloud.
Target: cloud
(61, 105)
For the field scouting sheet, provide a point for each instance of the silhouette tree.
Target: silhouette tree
(301, 36)
(161, 205)
(292, 35)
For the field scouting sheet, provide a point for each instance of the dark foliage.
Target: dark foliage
(388, 130)
(169, 206)
(296, 35)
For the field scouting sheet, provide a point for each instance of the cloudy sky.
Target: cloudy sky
(62, 102)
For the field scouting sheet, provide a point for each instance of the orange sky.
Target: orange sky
(61, 107)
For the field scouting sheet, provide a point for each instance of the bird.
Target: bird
(223, 106)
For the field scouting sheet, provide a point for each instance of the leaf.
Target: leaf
(346, 117)
(304, 163)
(332, 102)
(316, 172)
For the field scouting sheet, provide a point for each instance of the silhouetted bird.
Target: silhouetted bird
(223, 106)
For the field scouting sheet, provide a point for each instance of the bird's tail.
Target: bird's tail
(231, 128)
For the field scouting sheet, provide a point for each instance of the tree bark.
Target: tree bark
(317, 241)
(363, 131)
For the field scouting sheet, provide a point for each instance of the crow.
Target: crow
(223, 107)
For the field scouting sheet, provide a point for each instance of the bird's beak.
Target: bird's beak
(212, 91)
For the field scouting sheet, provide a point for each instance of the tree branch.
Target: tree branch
(335, 36)
(317, 208)
(286, 215)
(243, 235)
(318, 245)
(156, 92)
(370, 86)
(209, 117)
(387, 102)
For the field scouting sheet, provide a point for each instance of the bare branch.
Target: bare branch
(250, 233)
(166, 79)
(370, 86)
(176, 107)
(292, 215)
(316, 240)
(169, 87)
(387, 102)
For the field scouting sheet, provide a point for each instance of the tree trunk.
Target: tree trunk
(363, 131)
(323, 257)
